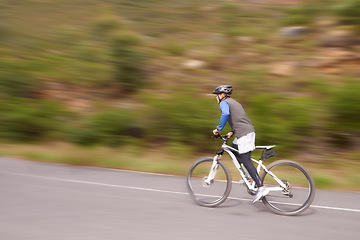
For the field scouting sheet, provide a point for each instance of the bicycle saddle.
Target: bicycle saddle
(265, 147)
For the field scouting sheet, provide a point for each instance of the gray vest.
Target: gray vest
(239, 122)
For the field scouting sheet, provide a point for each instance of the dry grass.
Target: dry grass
(129, 157)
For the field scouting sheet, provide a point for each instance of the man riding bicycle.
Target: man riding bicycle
(244, 131)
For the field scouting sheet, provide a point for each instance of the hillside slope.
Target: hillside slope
(153, 64)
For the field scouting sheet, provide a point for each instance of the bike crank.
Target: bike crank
(287, 190)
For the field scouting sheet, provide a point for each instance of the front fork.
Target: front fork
(214, 167)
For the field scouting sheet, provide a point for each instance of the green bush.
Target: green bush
(109, 127)
(83, 135)
(182, 117)
(281, 120)
(17, 83)
(129, 63)
(300, 15)
(349, 12)
(107, 24)
(345, 107)
(24, 119)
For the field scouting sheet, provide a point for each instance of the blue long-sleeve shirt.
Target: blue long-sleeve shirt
(225, 114)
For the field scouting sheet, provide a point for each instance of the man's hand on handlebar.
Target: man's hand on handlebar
(216, 132)
(224, 137)
(230, 134)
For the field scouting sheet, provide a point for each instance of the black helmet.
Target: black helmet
(227, 89)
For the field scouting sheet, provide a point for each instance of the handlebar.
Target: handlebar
(223, 137)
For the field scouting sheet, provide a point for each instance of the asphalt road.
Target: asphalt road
(43, 201)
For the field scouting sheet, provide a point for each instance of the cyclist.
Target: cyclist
(244, 131)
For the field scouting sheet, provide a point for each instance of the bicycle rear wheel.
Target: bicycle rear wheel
(298, 194)
(208, 194)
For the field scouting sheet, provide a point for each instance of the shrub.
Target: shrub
(301, 15)
(129, 63)
(25, 120)
(349, 12)
(109, 127)
(345, 107)
(107, 24)
(179, 118)
(17, 83)
(280, 120)
(83, 135)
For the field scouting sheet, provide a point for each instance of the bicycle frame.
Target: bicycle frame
(251, 186)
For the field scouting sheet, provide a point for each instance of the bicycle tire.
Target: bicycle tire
(306, 193)
(194, 181)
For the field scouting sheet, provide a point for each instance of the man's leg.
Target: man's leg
(245, 159)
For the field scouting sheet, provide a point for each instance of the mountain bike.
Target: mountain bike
(291, 187)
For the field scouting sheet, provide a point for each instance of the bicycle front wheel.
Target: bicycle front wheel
(299, 192)
(204, 192)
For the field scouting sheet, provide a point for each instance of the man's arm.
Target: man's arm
(225, 113)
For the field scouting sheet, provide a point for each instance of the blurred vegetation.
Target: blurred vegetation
(349, 12)
(179, 118)
(304, 14)
(284, 119)
(109, 127)
(344, 105)
(129, 63)
(116, 73)
(29, 120)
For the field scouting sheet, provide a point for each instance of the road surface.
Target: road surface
(44, 201)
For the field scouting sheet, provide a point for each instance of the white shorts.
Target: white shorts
(245, 143)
